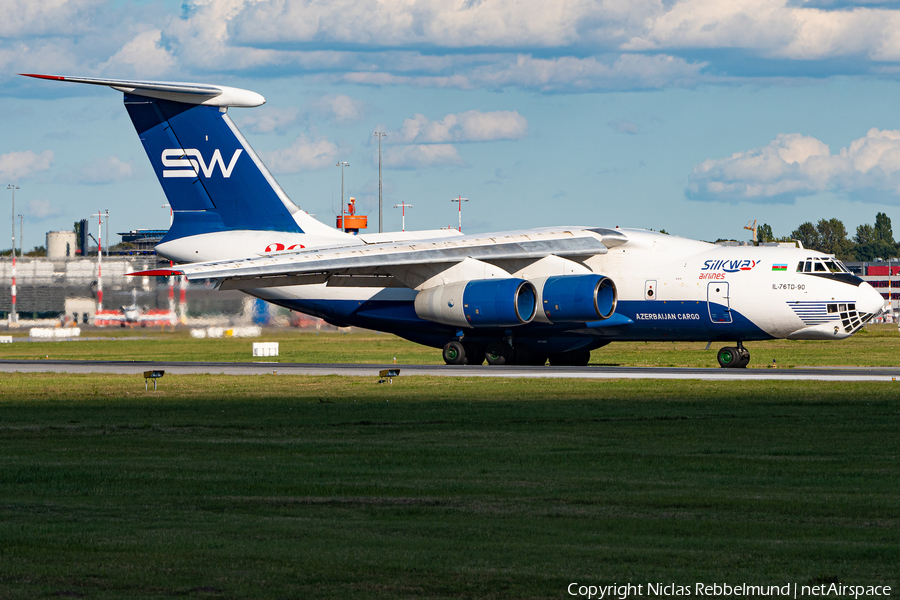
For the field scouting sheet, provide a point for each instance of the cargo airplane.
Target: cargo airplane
(517, 297)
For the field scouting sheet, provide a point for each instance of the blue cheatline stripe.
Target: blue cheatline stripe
(813, 312)
(631, 322)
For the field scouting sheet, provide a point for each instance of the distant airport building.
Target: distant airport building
(884, 276)
(63, 284)
(61, 245)
(143, 241)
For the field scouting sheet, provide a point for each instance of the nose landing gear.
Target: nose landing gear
(733, 358)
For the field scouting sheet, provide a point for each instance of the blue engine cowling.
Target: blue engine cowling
(575, 298)
(479, 303)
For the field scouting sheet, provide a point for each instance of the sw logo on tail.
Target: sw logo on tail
(181, 166)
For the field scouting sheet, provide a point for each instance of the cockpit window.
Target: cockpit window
(814, 264)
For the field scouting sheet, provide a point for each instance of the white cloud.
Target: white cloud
(469, 126)
(796, 165)
(420, 156)
(386, 38)
(141, 56)
(19, 18)
(303, 155)
(338, 108)
(421, 142)
(19, 165)
(35, 56)
(634, 31)
(433, 22)
(267, 119)
(774, 29)
(106, 170)
(565, 45)
(567, 73)
(626, 71)
(202, 40)
(40, 210)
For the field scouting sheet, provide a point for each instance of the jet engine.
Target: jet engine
(479, 303)
(575, 298)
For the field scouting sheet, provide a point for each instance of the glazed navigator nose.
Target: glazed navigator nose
(870, 301)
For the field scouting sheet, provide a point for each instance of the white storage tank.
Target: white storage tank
(61, 244)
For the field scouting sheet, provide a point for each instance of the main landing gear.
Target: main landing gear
(502, 353)
(464, 353)
(733, 358)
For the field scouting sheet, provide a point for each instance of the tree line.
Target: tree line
(830, 236)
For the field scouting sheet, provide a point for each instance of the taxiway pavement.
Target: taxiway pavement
(371, 370)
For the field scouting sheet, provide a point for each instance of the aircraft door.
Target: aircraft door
(718, 302)
(650, 289)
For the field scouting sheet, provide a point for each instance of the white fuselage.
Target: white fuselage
(669, 287)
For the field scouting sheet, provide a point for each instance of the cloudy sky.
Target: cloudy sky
(693, 116)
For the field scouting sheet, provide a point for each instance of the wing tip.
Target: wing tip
(37, 76)
(155, 273)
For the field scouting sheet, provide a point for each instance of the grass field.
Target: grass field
(877, 345)
(325, 487)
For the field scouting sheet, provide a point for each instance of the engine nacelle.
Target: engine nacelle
(575, 298)
(479, 303)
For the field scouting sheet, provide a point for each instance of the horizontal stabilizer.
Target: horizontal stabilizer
(186, 93)
(155, 273)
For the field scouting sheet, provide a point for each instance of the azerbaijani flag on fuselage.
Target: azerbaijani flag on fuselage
(779, 267)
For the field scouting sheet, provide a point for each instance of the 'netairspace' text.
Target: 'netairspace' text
(720, 590)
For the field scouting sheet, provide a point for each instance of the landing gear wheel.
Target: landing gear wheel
(454, 353)
(474, 353)
(731, 358)
(745, 357)
(498, 353)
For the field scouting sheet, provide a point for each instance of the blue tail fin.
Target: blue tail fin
(213, 179)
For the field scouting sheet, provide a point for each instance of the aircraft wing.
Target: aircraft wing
(317, 266)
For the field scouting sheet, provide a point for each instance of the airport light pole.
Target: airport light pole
(182, 300)
(343, 220)
(404, 206)
(460, 200)
(890, 291)
(99, 216)
(13, 316)
(21, 235)
(379, 135)
(107, 232)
